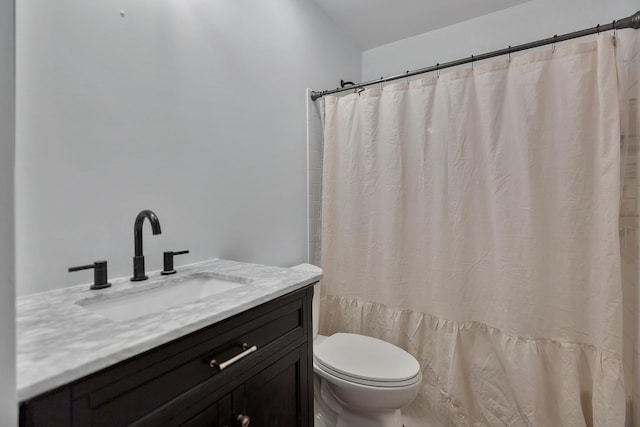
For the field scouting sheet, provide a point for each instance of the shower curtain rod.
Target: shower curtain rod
(632, 21)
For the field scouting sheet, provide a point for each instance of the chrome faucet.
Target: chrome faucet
(138, 259)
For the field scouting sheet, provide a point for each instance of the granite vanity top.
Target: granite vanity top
(59, 341)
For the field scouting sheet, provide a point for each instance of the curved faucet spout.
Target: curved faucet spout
(137, 228)
(138, 259)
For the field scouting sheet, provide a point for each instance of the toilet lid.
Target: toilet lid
(366, 359)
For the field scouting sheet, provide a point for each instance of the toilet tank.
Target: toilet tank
(316, 295)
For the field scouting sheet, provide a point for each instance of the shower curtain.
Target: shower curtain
(472, 219)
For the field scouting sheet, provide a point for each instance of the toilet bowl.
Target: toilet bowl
(359, 381)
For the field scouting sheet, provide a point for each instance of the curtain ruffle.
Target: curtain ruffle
(473, 374)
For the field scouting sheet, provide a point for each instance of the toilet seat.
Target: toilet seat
(367, 361)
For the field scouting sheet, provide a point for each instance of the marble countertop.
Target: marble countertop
(59, 340)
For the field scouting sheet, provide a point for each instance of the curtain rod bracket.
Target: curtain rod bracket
(635, 21)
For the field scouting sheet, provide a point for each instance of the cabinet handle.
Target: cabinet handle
(220, 366)
(243, 420)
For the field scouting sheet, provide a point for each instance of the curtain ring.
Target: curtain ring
(407, 76)
(614, 28)
(381, 81)
(598, 29)
(471, 62)
(555, 39)
(438, 69)
(509, 53)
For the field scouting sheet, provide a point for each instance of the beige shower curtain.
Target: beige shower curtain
(472, 219)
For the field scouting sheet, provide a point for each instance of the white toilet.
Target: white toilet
(359, 381)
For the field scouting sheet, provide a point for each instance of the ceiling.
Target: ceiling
(372, 23)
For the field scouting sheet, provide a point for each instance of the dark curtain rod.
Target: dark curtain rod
(632, 21)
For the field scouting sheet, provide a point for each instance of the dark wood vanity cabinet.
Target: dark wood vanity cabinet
(175, 385)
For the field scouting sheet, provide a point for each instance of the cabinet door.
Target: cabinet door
(217, 415)
(278, 396)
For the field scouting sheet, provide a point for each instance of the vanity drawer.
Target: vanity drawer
(268, 394)
(132, 389)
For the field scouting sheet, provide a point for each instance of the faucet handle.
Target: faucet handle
(168, 262)
(99, 273)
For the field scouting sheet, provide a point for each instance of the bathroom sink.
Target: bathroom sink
(154, 300)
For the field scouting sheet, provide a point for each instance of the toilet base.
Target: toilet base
(349, 418)
(330, 411)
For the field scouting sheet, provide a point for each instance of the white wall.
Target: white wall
(193, 109)
(8, 404)
(315, 149)
(527, 22)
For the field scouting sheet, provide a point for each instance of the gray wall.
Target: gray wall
(194, 109)
(8, 405)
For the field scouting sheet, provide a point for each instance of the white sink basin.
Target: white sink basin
(159, 299)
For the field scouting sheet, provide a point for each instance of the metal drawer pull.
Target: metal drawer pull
(247, 351)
